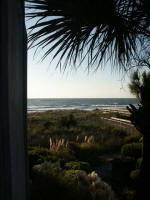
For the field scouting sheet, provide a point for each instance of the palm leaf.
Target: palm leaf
(97, 31)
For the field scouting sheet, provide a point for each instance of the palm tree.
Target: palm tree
(140, 117)
(98, 31)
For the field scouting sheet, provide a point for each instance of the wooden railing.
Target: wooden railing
(121, 111)
(121, 124)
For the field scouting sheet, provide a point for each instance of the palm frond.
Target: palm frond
(97, 31)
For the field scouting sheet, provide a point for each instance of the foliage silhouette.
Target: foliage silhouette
(97, 31)
(140, 86)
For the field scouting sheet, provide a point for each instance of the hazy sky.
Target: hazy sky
(44, 81)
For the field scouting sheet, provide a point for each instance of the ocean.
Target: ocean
(40, 105)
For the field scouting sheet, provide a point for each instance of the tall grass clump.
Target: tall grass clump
(56, 144)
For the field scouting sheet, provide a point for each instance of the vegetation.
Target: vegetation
(133, 138)
(139, 163)
(132, 150)
(135, 175)
(71, 184)
(101, 31)
(74, 165)
(66, 146)
(140, 86)
(89, 128)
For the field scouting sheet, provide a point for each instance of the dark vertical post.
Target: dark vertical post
(13, 86)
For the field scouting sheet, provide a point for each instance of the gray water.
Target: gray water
(39, 105)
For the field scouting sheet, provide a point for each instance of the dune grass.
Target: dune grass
(80, 140)
(69, 125)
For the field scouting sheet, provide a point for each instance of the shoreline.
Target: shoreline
(40, 105)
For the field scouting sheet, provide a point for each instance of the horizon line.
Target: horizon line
(81, 97)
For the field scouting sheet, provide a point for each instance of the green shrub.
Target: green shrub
(38, 155)
(129, 194)
(132, 150)
(139, 163)
(121, 168)
(78, 166)
(72, 176)
(50, 180)
(58, 184)
(132, 138)
(85, 152)
(64, 155)
(46, 184)
(112, 145)
(134, 174)
(68, 121)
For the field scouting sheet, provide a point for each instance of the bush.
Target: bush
(68, 121)
(85, 152)
(129, 194)
(112, 145)
(72, 176)
(139, 163)
(134, 174)
(132, 150)
(135, 178)
(38, 155)
(121, 168)
(64, 155)
(46, 183)
(78, 166)
(54, 182)
(51, 181)
(132, 138)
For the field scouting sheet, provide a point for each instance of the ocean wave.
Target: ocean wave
(36, 105)
(71, 107)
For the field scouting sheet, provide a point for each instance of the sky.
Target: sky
(45, 81)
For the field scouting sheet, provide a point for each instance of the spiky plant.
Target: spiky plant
(97, 31)
(140, 86)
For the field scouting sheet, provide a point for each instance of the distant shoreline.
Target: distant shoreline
(89, 104)
(81, 98)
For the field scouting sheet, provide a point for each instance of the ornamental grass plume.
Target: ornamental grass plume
(93, 176)
(99, 187)
(56, 144)
(91, 139)
(85, 138)
(77, 138)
